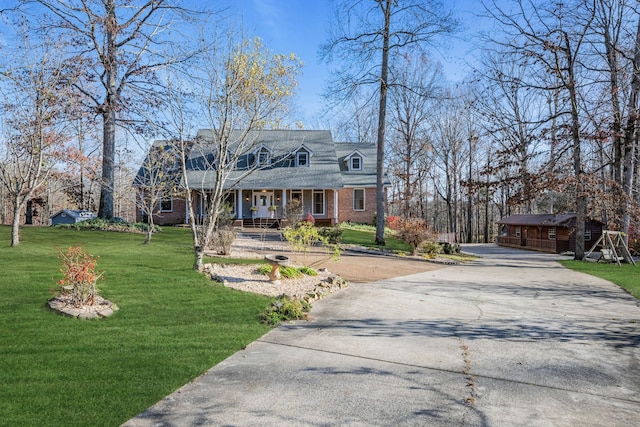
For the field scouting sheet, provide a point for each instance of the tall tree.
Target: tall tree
(615, 22)
(121, 44)
(449, 136)
(362, 30)
(411, 106)
(550, 38)
(512, 114)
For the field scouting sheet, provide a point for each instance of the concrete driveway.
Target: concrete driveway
(512, 339)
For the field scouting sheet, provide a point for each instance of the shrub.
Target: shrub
(293, 212)
(79, 276)
(413, 231)
(449, 249)
(290, 272)
(110, 225)
(431, 249)
(223, 239)
(310, 219)
(287, 272)
(308, 271)
(285, 309)
(332, 235)
(393, 222)
(264, 269)
(304, 236)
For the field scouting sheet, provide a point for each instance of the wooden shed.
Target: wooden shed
(552, 233)
(71, 216)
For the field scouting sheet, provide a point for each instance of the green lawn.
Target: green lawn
(173, 325)
(367, 238)
(627, 276)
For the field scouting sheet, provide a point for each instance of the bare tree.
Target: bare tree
(411, 106)
(550, 38)
(157, 180)
(356, 121)
(120, 44)
(449, 138)
(36, 90)
(615, 24)
(514, 116)
(360, 31)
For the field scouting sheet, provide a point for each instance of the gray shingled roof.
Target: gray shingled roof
(324, 170)
(367, 176)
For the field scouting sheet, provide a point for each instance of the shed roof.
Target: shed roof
(551, 220)
(74, 213)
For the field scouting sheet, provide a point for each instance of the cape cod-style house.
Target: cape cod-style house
(334, 182)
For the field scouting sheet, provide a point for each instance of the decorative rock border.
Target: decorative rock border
(101, 308)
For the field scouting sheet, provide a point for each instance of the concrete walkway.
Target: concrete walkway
(512, 339)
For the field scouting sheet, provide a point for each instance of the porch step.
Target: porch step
(261, 223)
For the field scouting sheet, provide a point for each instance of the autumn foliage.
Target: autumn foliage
(413, 231)
(79, 275)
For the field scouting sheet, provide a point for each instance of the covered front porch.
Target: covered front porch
(267, 208)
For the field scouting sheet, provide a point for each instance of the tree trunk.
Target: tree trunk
(631, 135)
(109, 108)
(15, 224)
(384, 74)
(147, 240)
(199, 252)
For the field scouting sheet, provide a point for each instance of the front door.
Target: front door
(263, 199)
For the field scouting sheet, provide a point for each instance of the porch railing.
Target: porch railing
(537, 244)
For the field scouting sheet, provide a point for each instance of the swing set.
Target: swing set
(613, 249)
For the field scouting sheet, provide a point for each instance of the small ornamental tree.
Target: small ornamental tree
(80, 276)
(303, 236)
(413, 231)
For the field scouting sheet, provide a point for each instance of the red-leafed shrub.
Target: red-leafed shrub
(413, 231)
(393, 222)
(310, 219)
(79, 275)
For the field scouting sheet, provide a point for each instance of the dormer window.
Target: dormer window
(356, 163)
(302, 158)
(353, 161)
(264, 157)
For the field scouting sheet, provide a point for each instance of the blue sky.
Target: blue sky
(300, 26)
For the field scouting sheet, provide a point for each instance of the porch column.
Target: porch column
(238, 204)
(284, 201)
(335, 206)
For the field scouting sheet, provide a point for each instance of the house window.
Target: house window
(302, 158)
(356, 163)
(166, 204)
(263, 158)
(296, 195)
(318, 202)
(358, 199)
(552, 233)
(587, 235)
(518, 231)
(229, 204)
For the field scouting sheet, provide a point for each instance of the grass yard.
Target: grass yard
(173, 325)
(626, 275)
(367, 238)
